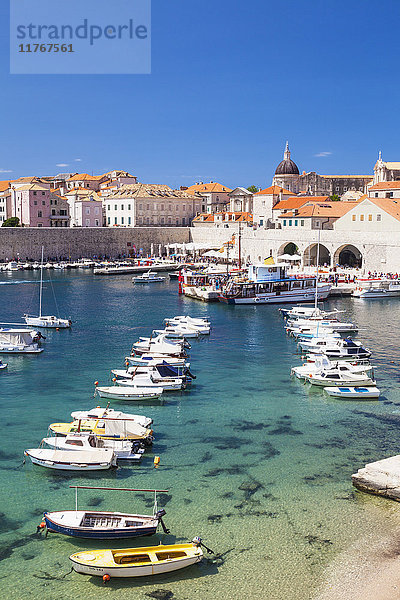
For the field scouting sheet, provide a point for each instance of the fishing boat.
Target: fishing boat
(19, 341)
(80, 460)
(339, 377)
(99, 413)
(269, 284)
(322, 363)
(123, 449)
(381, 288)
(104, 525)
(129, 393)
(362, 393)
(137, 562)
(149, 277)
(106, 428)
(49, 321)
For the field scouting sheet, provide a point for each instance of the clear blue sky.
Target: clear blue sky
(231, 81)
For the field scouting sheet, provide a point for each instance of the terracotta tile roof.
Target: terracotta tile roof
(297, 201)
(325, 209)
(232, 216)
(32, 186)
(393, 166)
(389, 205)
(85, 177)
(207, 187)
(386, 185)
(4, 185)
(274, 189)
(151, 191)
(347, 176)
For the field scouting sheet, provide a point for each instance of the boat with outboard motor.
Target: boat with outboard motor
(19, 340)
(345, 349)
(98, 413)
(322, 363)
(129, 393)
(202, 325)
(269, 284)
(177, 332)
(104, 525)
(160, 345)
(123, 449)
(96, 459)
(106, 427)
(315, 323)
(150, 360)
(339, 376)
(360, 393)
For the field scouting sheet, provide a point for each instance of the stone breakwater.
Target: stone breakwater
(80, 242)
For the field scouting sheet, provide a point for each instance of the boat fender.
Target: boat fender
(96, 383)
(41, 527)
(156, 461)
(106, 578)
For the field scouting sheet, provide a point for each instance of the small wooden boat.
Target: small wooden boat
(104, 525)
(79, 460)
(354, 392)
(137, 562)
(107, 428)
(116, 392)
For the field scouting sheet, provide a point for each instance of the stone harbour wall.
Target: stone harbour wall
(77, 242)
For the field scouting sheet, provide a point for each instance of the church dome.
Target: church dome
(287, 166)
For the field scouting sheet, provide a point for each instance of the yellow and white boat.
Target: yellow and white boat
(137, 562)
(109, 428)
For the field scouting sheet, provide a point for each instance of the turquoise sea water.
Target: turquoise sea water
(257, 464)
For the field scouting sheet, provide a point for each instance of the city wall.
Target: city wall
(77, 242)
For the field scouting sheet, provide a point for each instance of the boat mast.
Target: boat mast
(41, 286)
(316, 278)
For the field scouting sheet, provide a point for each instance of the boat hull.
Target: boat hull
(113, 394)
(276, 299)
(134, 571)
(359, 392)
(98, 534)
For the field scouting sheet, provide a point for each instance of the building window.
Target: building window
(162, 220)
(376, 194)
(284, 222)
(96, 222)
(39, 213)
(378, 217)
(162, 206)
(129, 207)
(369, 217)
(43, 203)
(129, 221)
(108, 207)
(115, 220)
(296, 222)
(115, 207)
(43, 193)
(53, 212)
(361, 217)
(147, 206)
(345, 189)
(290, 222)
(337, 188)
(261, 222)
(302, 223)
(122, 207)
(140, 206)
(177, 221)
(87, 222)
(122, 220)
(109, 221)
(316, 223)
(40, 225)
(169, 221)
(34, 193)
(183, 221)
(35, 202)
(353, 218)
(184, 208)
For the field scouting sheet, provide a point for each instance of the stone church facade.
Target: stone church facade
(287, 175)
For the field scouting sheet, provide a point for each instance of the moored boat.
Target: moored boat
(80, 460)
(149, 277)
(130, 393)
(367, 393)
(98, 412)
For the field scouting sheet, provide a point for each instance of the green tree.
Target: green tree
(253, 189)
(11, 222)
(334, 198)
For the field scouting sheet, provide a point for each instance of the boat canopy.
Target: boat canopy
(123, 427)
(262, 273)
(16, 336)
(166, 370)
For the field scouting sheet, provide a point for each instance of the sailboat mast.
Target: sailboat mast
(41, 286)
(316, 278)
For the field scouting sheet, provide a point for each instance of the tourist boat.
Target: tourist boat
(317, 342)
(130, 393)
(322, 363)
(137, 562)
(382, 288)
(149, 277)
(362, 393)
(106, 428)
(104, 525)
(123, 449)
(46, 321)
(269, 284)
(80, 460)
(19, 341)
(201, 285)
(346, 349)
(339, 377)
(99, 413)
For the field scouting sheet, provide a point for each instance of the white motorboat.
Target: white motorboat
(339, 377)
(12, 266)
(80, 460)
(149, 277)
(98, 413)
(322, 363)
(146, 381)
(383, 288)
(305, 334)
(201, 325)
(131, 393)
(49, 321)
(151, 361)
(111, 428)
(363, 393)
(177, 332)
(123, 449)
(317, 342)
(304, 312)
(346, 349)
(159, 345)
(19, 341)
(317, 322)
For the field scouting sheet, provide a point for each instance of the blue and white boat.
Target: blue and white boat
(269, 284)
(363, 393)
(103, 525)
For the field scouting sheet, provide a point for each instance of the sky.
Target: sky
(231, 81)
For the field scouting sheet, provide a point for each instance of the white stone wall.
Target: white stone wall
(366, 217)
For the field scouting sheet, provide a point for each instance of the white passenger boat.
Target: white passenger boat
(80, 460)
(49, 321)
(149, 277)
(19, 341)
(323, 363)
(123, 449)
(129, 393)
(98, 413)
(363, 393)
(137, 562)
(339, 377)
(382, 288)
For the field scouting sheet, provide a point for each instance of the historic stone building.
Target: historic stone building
(386, 171)
(287, 175)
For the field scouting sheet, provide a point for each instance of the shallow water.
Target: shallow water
(257, 464)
